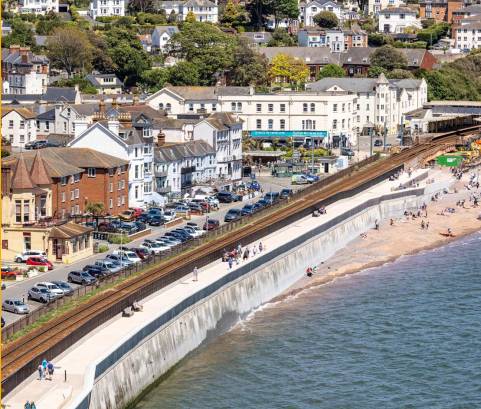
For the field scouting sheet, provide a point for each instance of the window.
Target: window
(63, 180)
(26, 211)
(118, 202)
(18, 211)
(191, 107)
(63, 197)
(232, 106)
(72, 195)
(71, 180)
(258, 123)
(136, 192)
(214, 107)
(123, 200)
(122, 184)
(136, 152)
(283, 108)
(343, 123)
(22, 125)
(334, 108)
(282, 124)
(111, 203)
(27, 242)
(304, 108)
(161, 106)
(334, 124)
(343, 107)
(10, 124)
(77, 193)
(270, 107)
(270, 124)
(112, 171)
(313, 107)
(111, 187)
(91, 172)
(76, 177)
(136, 171)
(239, 106)
(258, 107)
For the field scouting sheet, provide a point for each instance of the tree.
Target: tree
(259, 10)
(388, 57)
(285, 9)
(143, 6)
(96, 208)
(190, 17)
(207, 47)
(281, 38)
(47, 24)
(172, 17)
(154, 80)
(375, 71)
(21, 35)
(326, 19)
(287, 69)
(184, 73)
(101, 60)
(331, 70)
(250, 67)
(234, 15)
(69, 49)
(128, 57)
(378, 39)
(399, 74)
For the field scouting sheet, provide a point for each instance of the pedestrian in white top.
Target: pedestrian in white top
(196, 274)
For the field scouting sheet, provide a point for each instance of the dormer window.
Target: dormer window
(147, 132)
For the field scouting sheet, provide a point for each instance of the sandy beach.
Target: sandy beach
(404, 237)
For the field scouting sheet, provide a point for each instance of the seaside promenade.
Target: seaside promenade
(74, 369)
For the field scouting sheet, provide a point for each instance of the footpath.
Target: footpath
(78, 362)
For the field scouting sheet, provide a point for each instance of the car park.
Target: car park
(39, 261)
(80, 277)
(41, 294)
(15, 305)
(248, 210)
(107, 264)
(285, 193)
(120, 259)
(96, 271)
(129, 255)
(232, 215)
(23, 257)
(64, 286)
(56, 290)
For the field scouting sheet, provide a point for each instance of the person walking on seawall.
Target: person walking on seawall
(309, 272)
(261, 247)
(196, 274)
(230, 261)
(40, 372)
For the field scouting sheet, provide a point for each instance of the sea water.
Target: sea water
(405, 335)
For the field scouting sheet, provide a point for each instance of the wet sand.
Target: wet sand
(405, 237)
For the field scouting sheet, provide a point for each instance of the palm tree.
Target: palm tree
(97, 209)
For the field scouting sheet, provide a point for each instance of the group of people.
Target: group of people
(242, 254)
(30, 405)
(45, 370)
(310, 271)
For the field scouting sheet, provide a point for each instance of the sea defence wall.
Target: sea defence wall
(132, 365)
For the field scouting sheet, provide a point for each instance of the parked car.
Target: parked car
(196, 207)
(10, 272)
(272, 197)
(129, 255)
(347, 152)
(154, 247)
(248, 210)
(182, 209)
(169, 215)
(108, 265)
(257, 207)
(23, 257)
(156, 221)
(137, 211)
(254, 185)
(285, 193)
(299, 180)
(225, 197)
(142, 253)
(96, 270)
(81, 277)
(41, 294)
(312, 178)
(56, 290)
(177, 235)
(194, 226)
(263, 203)
(169, 241)
(39, 261)
(120, 258)
(64, 286)
(140, 225)
(211, 224)
(107, 227)
(15, 305)
(233, 215)
(128, 215)
(193, 232)
(378, 142)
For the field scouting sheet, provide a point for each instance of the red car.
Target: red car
(137, 211)
(211, 224)
(39, 261)
(9, 272)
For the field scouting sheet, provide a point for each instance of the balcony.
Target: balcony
(188, 169)
(160, 174)
(164, 190)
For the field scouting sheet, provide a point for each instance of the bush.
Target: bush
(119, 239)
(102, 248)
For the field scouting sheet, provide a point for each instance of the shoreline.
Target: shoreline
(404, 238)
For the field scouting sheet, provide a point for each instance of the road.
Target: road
(20, 289)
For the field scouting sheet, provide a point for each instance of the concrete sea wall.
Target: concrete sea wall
(138, 361)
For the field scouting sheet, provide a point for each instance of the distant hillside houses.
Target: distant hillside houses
(307, 10)
(161, 36)
(38, 6)
(107, 8)
(203, 10)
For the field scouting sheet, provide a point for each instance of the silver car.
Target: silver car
(113, 268)
(64, 286)
(41, 294)
(53, 288)
(15, 305)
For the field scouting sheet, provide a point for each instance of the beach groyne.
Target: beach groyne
(133, 364)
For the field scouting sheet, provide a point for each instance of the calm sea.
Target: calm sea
(406, 335)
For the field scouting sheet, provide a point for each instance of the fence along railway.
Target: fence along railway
(20, 358)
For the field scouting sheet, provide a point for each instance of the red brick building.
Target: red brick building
(439, 10)
(79, 176)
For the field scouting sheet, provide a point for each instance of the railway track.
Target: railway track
(20, 357)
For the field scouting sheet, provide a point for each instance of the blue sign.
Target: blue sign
(288, 134)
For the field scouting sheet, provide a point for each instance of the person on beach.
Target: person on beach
(422, 224)
(195, 274)
(391, 222)
(376, 224)
(246, 254)
(50, 369)
(32, 405)
(230, 261)
(309, 272)
(40, 372)
(427, 225)
(27, 405)
(254, 251)
(260, 247)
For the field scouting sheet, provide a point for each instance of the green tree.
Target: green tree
(388, 57)
(326, 19)
(331, 70)
(281, 38)
(96, 208)
(250, 67)
(101, 60)
(285, 9)
(259, 10)
(172, 17)
(128, 57)
(21, 35)
(143, 6)
(234, 15)
(47, 24)
(190, 18)
(286, 69)
(69, 49)
(397, 73)
(154, 79)
(378, 39)
(375, 71)
(207, 47)
(184, 73)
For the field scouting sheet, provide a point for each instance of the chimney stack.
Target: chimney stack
(80, 125)
(114, 126)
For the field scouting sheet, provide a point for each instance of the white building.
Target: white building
(395, 20)
(18, 126)
(38, 6)
(133, 143)
(468, 35)
(180, 167)
(24, 72)
(204, 11)
(309, 9)
(317, 37)
(105, 83)
(223, 131)
(375, 6)
(161, 36)
(107, 8)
